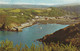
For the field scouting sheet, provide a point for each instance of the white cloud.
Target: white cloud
(35, 3)
(2, 2)
(46, 4)
(5, 1)
(22, 3)
(71, 1)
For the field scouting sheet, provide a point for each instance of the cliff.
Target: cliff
(66, 35)
(9, 27)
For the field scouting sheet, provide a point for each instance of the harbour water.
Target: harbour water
(30, 34)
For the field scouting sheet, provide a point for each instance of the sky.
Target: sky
(39, 2)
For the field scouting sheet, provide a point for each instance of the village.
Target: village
(39, 18)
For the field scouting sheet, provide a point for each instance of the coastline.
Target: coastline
(44, 21)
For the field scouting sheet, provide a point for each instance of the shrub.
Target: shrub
(8, 46)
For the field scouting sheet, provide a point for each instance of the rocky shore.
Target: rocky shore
(19, 28)
(30, 23)
(45, 20)
(42, 20)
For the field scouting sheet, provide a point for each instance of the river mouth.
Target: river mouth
(30, 34)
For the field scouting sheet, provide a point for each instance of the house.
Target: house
(53, 18)
(33, 20)
(22, 14)
(49, 9)
(14, 16)
(36, 17)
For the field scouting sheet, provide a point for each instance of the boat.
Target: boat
(40, 27)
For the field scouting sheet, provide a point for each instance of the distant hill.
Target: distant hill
(68, 7)
(75, 8)
(22, 6)
(72, 7)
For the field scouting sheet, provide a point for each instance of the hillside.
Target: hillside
(10, 17)
(73, 8)
(66, 35)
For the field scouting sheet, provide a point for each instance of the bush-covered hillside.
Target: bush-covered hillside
(65, 35)
(8, 46)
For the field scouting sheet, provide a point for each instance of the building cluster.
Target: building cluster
(44, 18)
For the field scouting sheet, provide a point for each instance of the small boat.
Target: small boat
(40, 27)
